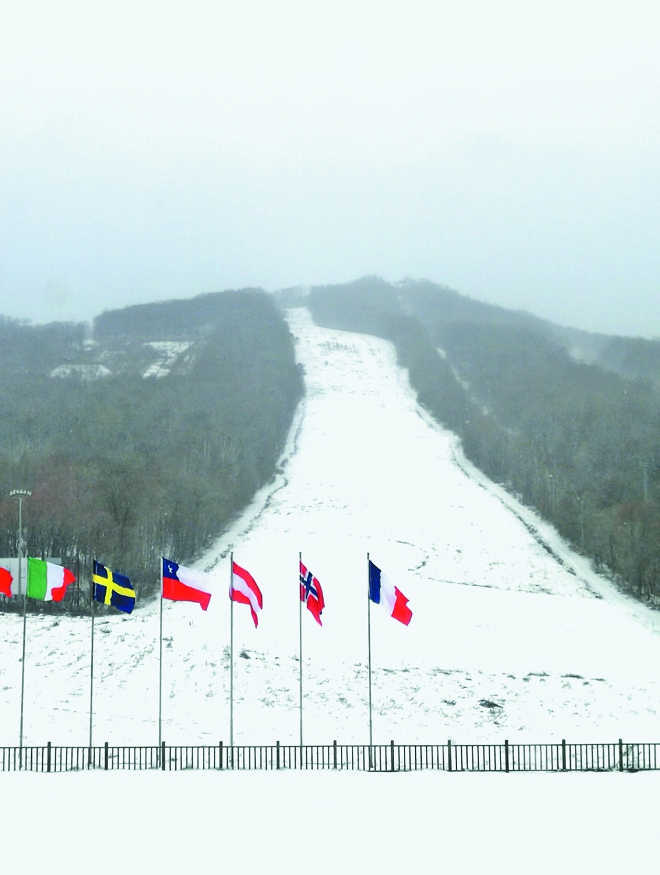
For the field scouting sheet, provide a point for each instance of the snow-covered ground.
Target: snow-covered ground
(513, 636)
(503, 612)
(289, 823)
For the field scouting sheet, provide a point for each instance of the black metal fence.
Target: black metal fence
(556, 757)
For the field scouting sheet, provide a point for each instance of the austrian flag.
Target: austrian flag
(311, 593)
(244, 589)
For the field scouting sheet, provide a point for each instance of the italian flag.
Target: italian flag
(47, 581)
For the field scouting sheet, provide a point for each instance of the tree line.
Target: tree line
(125, 468)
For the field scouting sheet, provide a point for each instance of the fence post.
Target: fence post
(277, 754)
(334, 754)
(620, 755)
(105, 764)
(162, 755)
(391, 754)
(221, 750)
(48, 757)
(506, 755)
(563, 754)
(449, 755)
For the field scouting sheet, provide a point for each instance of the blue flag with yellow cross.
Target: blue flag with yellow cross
(112, 588)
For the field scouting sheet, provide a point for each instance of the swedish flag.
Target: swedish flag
(112, 588)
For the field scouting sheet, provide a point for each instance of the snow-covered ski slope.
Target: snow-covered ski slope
(513, 635)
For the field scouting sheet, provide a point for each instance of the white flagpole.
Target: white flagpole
(300, 665)
(231, 652)
(371, 741)
(160, 667)
(22, 660)
(91, 673)
(21, 494)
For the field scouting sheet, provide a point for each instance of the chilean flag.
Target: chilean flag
(244, 589)
(311, 593)
(383, 592)
(186, 585)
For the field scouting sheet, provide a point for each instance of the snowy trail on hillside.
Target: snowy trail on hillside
(504, 612)
(508, 638)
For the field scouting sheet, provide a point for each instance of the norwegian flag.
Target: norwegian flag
(311, 593)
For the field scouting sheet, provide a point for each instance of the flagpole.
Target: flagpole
(369, 649)
(300, 666)
(231, 653)
(22, 660)
(91, 673)
(21, 494)
(160, 669)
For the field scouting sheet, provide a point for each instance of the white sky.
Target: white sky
(509, 150)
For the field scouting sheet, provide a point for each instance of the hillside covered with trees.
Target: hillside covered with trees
(144, 434)
(569, 422)
(147, 432)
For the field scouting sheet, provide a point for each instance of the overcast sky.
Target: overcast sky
(151, 150)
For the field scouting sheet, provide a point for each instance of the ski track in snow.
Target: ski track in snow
(513, 634)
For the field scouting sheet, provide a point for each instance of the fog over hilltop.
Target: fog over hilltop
(153, 151)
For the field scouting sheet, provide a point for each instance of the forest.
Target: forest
(567, 421)
(143, 434)
(147, 432)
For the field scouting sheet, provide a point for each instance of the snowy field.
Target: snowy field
(328, 822)
(513, 636)
(500, 615)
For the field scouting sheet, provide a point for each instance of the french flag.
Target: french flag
(383, 592)
(244, 589)
(185, 584)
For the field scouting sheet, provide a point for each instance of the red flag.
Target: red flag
(311, 593)
(186, 585)
(244, 589)
(5, 582)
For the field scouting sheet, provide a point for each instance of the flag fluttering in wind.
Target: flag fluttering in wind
(311, 593)
(182, 584)
(383, 592)
(5, 582)
(112, 588)
(244, 589)
(46, 581)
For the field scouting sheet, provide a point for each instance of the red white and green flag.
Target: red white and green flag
(46, 581)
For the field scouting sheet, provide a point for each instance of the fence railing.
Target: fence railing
(450, 757)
